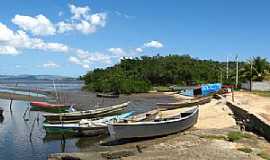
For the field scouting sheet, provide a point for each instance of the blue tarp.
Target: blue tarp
(210, 88)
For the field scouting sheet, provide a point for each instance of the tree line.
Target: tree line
(142, 73)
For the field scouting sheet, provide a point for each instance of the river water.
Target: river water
(15, 140)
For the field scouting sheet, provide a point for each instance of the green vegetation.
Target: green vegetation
(256, 69)
(264, 155)
(245, 149)
(236, 135)
(140, 74)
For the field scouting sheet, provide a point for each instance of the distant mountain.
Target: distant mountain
(37, 77)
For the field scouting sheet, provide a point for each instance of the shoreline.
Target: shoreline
(205, 140)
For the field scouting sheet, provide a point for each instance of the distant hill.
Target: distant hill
(36, 77)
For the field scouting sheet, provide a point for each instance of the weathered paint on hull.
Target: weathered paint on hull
(144, 130)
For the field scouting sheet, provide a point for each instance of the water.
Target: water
(14, 91)
(41, 85)
(15, 136)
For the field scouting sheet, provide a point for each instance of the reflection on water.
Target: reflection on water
(15, 140)
(5, 90)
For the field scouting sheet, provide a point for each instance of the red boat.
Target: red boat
(36, 105)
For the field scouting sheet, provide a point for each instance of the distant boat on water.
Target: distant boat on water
(108, 95)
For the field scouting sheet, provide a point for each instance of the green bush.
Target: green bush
(235, 136)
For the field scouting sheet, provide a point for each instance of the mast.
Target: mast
(55, 91)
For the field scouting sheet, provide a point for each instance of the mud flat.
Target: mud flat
(215, 137)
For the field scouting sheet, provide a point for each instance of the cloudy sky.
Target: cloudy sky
(71, 37)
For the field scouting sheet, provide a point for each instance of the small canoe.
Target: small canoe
(187, 103)
(88, 114)
(36, 105)
(87, 126)
(154, 128)
(104, 95)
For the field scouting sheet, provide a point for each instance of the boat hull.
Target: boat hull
(190, 103)
(151, 129)
(73, 116)
(44, 106)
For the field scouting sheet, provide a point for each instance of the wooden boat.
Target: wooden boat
(104, 95)
(78, 115)
(45, 106)
(87, 126)
(187, 103)
(154, 128)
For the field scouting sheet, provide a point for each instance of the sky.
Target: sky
(71, 37)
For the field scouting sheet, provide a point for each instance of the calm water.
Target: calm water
(41, 85)
(15, 136)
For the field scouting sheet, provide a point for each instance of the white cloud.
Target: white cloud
(139, 50)
(50, 64)
(11, 42)
(123, 15)
(85, 58)
(82, 21)
(153, 44)
(74, 60)
(39, 25)
(79, 12)
(117, 51)
(64, 27)
(98, 19)
(8, 50)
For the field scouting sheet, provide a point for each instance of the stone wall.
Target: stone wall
(251, 121)
(258, 86)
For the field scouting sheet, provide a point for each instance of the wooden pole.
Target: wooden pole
(232, 95)
(10, 104)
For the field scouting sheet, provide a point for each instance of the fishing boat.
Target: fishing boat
(104, 95)
(154, 128)
(78, 115)
(49, 107)
(186, 103)
(87, 126)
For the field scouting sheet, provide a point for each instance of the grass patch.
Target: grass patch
(264, 155)
(262, 93)
(236, 135)
(212, 137)
(245, 149)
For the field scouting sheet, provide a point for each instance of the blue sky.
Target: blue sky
(72, 37)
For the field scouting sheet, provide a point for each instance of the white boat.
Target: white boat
(156, 127)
